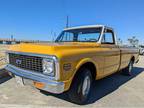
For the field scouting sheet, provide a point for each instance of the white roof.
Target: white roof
(82, 27)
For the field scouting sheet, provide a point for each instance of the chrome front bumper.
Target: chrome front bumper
(50, 84)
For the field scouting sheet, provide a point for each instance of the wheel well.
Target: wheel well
(90, 66)
(133, 59)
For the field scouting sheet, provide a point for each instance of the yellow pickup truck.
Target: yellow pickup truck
(79, 56)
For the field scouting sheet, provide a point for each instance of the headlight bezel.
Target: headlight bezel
(48, 65)
(56, 66)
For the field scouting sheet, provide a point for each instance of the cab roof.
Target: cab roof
(87, 26)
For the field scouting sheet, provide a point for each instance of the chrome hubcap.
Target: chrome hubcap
(86, 86)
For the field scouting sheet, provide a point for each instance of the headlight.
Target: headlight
(48, 66)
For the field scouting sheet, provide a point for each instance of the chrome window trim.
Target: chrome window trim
(56, 60)
(101, 36)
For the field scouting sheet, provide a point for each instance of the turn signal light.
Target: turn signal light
(39, 85)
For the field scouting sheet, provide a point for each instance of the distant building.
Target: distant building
(8, 41)
(14, 41)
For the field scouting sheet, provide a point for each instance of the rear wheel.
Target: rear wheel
(128, 70)
(81, 86)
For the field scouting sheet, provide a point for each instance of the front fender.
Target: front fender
(82, 62)
(79, 64)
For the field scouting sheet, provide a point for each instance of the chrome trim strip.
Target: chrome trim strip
(51, 85)
(101, 36)
(57, 69)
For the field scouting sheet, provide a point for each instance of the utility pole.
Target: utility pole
(67, 22)
(12, 37)
(52, 35)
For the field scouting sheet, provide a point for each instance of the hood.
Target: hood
(51, 48)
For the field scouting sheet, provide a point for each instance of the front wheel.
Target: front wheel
(128, 70)
(81, 86)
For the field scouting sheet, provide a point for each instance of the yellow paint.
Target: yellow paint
(106, 58)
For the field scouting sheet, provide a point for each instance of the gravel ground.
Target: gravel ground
(3, 48)
(114, 91)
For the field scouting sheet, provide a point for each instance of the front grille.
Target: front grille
(26, 62)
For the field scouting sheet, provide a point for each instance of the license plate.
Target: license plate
(28, 82)
(19, 80)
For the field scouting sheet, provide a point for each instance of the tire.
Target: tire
(128, 70)
(81, 86)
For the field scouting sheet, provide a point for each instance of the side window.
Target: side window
(108, 37)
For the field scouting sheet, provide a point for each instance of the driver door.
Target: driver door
(112, 53)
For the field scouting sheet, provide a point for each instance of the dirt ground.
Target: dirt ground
(114, 91)
(3, 48)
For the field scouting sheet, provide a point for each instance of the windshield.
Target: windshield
(80, 35)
